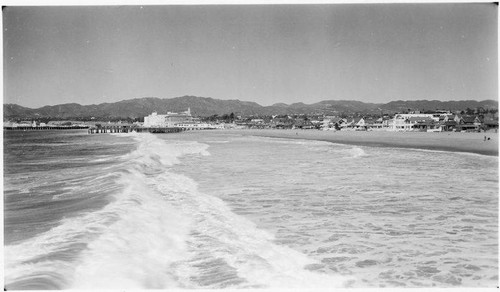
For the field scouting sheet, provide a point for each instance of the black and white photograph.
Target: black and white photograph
(256, 146)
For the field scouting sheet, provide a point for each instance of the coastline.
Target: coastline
(441, 141)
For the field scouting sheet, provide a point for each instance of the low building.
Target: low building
(467, 123)
(425, 125)
(333, 123)
(405, 122)
(24, 124)
(449, 125)
(377, 124)
(490, 123)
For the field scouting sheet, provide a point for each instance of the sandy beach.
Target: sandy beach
(443, 141)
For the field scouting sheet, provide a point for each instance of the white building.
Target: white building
(168, 120)
(405, 122)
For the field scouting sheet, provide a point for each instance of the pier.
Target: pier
(101, 129)
(131, 128)
(159, 130)
(44, 128)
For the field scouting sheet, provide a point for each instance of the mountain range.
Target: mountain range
(206, 106)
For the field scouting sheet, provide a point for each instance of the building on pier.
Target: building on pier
(168, 120)
(198, 126)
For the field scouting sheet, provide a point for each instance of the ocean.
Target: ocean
(211, 209)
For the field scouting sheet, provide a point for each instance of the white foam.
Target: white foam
(357, 152)
(117, 236)
(136, 250)
(150, 235)
(241, 244)
(151, 148)
(146, 237)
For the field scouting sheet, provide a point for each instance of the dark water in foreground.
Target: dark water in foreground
(211, 210)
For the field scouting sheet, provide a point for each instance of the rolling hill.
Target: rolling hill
(206, 106)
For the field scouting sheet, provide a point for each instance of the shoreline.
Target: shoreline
(442, 141)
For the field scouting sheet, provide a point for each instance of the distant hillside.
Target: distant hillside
(138, 107)
(206, 106)
(423, 105)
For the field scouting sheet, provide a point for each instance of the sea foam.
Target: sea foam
(159, 231)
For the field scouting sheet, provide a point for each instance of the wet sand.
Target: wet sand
(443, 141)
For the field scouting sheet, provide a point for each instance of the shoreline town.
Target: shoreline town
(407, 130)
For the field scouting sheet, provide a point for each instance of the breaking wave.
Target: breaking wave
(158, 231)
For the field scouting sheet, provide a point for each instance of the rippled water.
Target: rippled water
(217, 210)
(386, 216)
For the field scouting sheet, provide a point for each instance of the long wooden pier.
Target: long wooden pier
(102, 129)
(159, 130)
(45, 128)
(133, 128)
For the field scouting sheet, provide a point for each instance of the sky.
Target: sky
(262, 53)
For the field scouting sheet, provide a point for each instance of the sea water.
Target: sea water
(210, 209)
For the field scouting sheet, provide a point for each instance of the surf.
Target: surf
(159, 231)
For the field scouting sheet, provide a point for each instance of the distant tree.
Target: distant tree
(480, 110)
(213, 118)
(43, 120)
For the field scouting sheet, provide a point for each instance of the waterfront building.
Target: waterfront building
(405, 122)
(333, 123)
(168, 120)
(257, 121)
(379, 124)
(490, 122)
(468, 123)
(24, 124)
(327, 123)
(425, 124)
(359, 124)
(448, 125)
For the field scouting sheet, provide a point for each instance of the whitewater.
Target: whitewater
(158, 231)
(209, 210)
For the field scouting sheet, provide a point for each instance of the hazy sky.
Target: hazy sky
(261, 53)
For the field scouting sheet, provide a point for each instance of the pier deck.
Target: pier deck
(45, 128)
(102, 129)
(127, 129)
